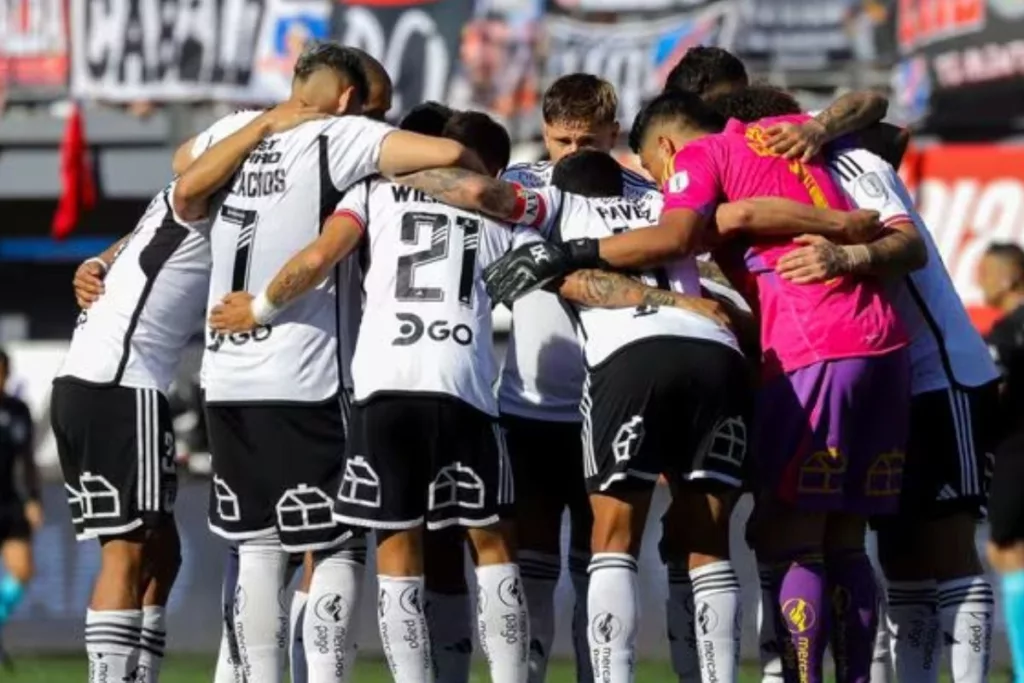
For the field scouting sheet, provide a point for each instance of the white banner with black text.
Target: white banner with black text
(230, 50)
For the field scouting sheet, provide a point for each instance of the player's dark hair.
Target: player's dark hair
(482, 134)
(428, 118)
(376, 77)
(1009, 252)
(590, 173)
(754, 103)
(674, 105)
(344, 61)
(580, 98)
(704, 68)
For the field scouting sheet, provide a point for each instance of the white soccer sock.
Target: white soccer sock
(578, 573)
(229, 668)
(913, 624)
(261, 622)
(503, 622)
(328, 628)
(450, 620)
(613, 602)
(540, 576)
(403, 628)
(682, 634)
(112, 644)
(965, 612)
(769, 646)
(717, 616)
(296, 652)
(151, 643)
(881, 663)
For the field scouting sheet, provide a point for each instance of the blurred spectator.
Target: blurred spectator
(1001, 278)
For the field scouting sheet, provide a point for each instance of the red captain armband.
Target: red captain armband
(529, 208)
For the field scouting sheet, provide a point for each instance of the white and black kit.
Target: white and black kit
(425, 445)
(954, 383)
(275, 395)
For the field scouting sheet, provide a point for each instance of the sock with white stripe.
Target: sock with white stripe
(768, 644)
(682, 634)
(152, 643)
(328, 627)
(613, 602)
(881, 662)
(450, 620)
(965, 612)
(717, 617)
(540, 576)
(261, 620)
(403, 628)
(112, 644)
(296, 651)
(578, 564)
(503, 623)
(229, 664)
(913, 624)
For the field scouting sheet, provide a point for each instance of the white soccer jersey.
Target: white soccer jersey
(604, 331)
(543, 374)
(426, 325)
(155, 295)
(945, 349)
(275, 207)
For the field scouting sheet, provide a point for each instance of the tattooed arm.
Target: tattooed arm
(603, 289)
(852, 112)
(900, 251)
(241, 311)
(466, 190)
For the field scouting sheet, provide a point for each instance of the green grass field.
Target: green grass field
(199, 669)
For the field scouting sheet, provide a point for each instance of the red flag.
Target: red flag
(78, 190)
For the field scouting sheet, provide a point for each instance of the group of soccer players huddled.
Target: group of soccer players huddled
(771, 318)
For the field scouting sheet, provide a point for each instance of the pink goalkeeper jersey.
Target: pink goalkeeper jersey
(800, 324)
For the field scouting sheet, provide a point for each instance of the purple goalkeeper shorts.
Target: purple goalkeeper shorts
(831, 437)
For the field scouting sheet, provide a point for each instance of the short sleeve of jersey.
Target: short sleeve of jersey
(220, 129)
(528, 175)
(353, 148)
(694, 181)
(541, 207)
(872, 184)
(355, 203)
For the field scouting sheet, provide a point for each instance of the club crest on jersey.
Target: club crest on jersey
(679, 182)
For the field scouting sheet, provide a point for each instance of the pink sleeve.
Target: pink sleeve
(694, 183)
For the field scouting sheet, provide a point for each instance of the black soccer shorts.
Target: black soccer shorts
(116, 448)
(275, 469)
(948, 467)
(415, 459)
(667, 405)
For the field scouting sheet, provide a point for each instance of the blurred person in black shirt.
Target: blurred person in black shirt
(1001, 278)
(20, 510)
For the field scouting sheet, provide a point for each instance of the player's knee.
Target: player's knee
(400, 553)
(122, 557)
(951, 550)
(1006, 557)
(18, 561)
(618, 524)
(493, 545)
